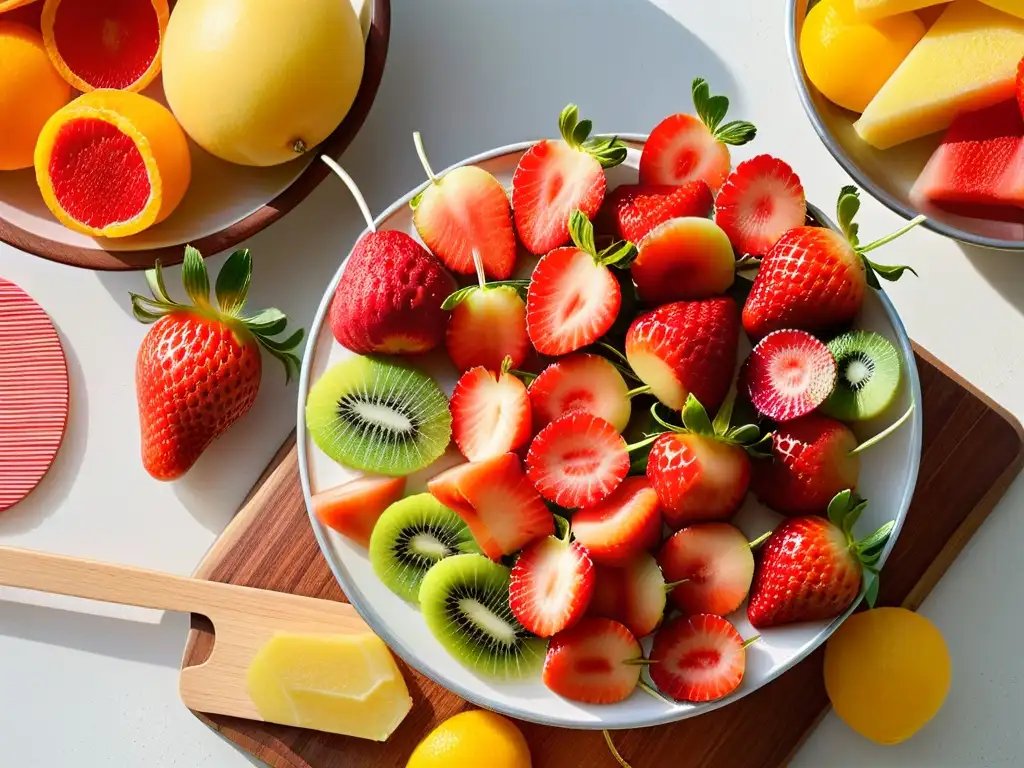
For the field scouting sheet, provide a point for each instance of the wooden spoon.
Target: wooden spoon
(244, 618)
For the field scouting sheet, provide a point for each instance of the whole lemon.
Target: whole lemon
(887, 673)
(260, 82)
(470, 740)
(849, 60)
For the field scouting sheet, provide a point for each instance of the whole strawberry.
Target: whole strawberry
(199, 367)
(815, 279)
(811, 568)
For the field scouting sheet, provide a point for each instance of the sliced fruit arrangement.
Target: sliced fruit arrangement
(499, 307)
(580, 382)
(789, 374)
(698, 658)
(633, 594)
(618, 529)
(595, 662)
(490, 413)
(761, 201)
(552, 583)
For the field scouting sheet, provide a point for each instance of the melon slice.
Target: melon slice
(967, 61)
(869, 10)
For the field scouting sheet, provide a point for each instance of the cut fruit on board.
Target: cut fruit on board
(33, 394)
(105, 43)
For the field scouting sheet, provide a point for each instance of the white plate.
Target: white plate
(888, 476)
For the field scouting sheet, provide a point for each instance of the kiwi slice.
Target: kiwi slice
(378, 416)
(869, 376)
(465, 604)
(412, 535)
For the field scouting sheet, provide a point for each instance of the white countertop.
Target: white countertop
(85, 684)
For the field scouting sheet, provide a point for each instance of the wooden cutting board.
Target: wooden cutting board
(972, 451)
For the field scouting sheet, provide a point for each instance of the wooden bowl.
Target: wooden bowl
(225, 204)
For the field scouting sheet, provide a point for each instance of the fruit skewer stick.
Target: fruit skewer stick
(351, 184)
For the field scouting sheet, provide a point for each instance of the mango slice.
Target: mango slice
(869, 10)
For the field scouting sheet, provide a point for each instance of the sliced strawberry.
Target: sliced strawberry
(490, 414)
(683, 259)
(633, 210)
(761, 201)
(789, 374)
(698, 658)
(552, 582)
(593, 662)
(715, 565)
(577, 460)
(622, 526)
(633, 595)
(497, 502)
(501, 310)
(683, 148)
(580, 382)
(352, 508)
(555, 178)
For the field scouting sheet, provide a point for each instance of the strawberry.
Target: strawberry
(713, 564)
(812, 568)
(490, 413)
(595, 662)
(498, 308)
(633, 210)
(761, 200)
(1019, 86)
(497, 502)
(686, 347)
(462, 212)
(622, 526)
(574, 298)
(683, 148)
(814, 279)
(198, 369)
(552, 582)
(580, 382)
(352, 508)
(577, 460)
(634, 594)
(789, 374)
(701, 470)
(682, 260)
(698, 658)
(555, 178)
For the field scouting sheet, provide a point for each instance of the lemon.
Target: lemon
(470, 740)
(887, 673)
(850, 60)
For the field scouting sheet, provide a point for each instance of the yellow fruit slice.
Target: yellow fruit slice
(869, 10)
(887, 673)
(849, 60)
(1015, 7)
(112, 163)
(471, 740)
(347, 684)
(30, 91)
(966, 61)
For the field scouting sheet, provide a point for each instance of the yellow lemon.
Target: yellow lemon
(850, 60)
(887, 673)
(470, 740)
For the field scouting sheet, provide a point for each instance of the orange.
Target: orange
(30, 91)
(105, 43)
(112, 163)
(472, 739)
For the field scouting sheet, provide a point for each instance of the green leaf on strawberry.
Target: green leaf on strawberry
(846, 209)
(608, 151)
(712, 111)
(619, 254)
(696, 421)
(454, 299)
(843, 511)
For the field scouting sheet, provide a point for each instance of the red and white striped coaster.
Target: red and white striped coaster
(33, 393)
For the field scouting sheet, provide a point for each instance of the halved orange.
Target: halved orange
(112, 163)
(105, 43)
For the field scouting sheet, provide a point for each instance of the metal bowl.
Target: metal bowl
(886, 175)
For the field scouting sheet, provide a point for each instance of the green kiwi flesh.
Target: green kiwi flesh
(869, 376)
(378, 416)
(414, 534)
(464, 600)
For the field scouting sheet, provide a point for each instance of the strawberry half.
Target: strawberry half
(498, 308)
(577, 460)
(622, 526)
(789, 374)
(552, 582)
(594, 662)
(698, 658)
(715, 565)
(580, 382)
(633, 210)
(634, 595)
(490, 413)
(574, 298)
(497, 502)
(352, 508)
(683, 259)
(761, 201)
(683, 148)
(555, 178)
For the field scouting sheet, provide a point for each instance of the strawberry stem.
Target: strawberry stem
(615, 753)
(478, 265)
(639, 391)
(417, 141)
(643, 443)
(889, 238)
(639, 662)
(760, 540)
(650, 691)
(608, 347)
(673, 584)
(751, 641)
(884, 433)
(354, 189)
(668, 427)
(526, 375)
